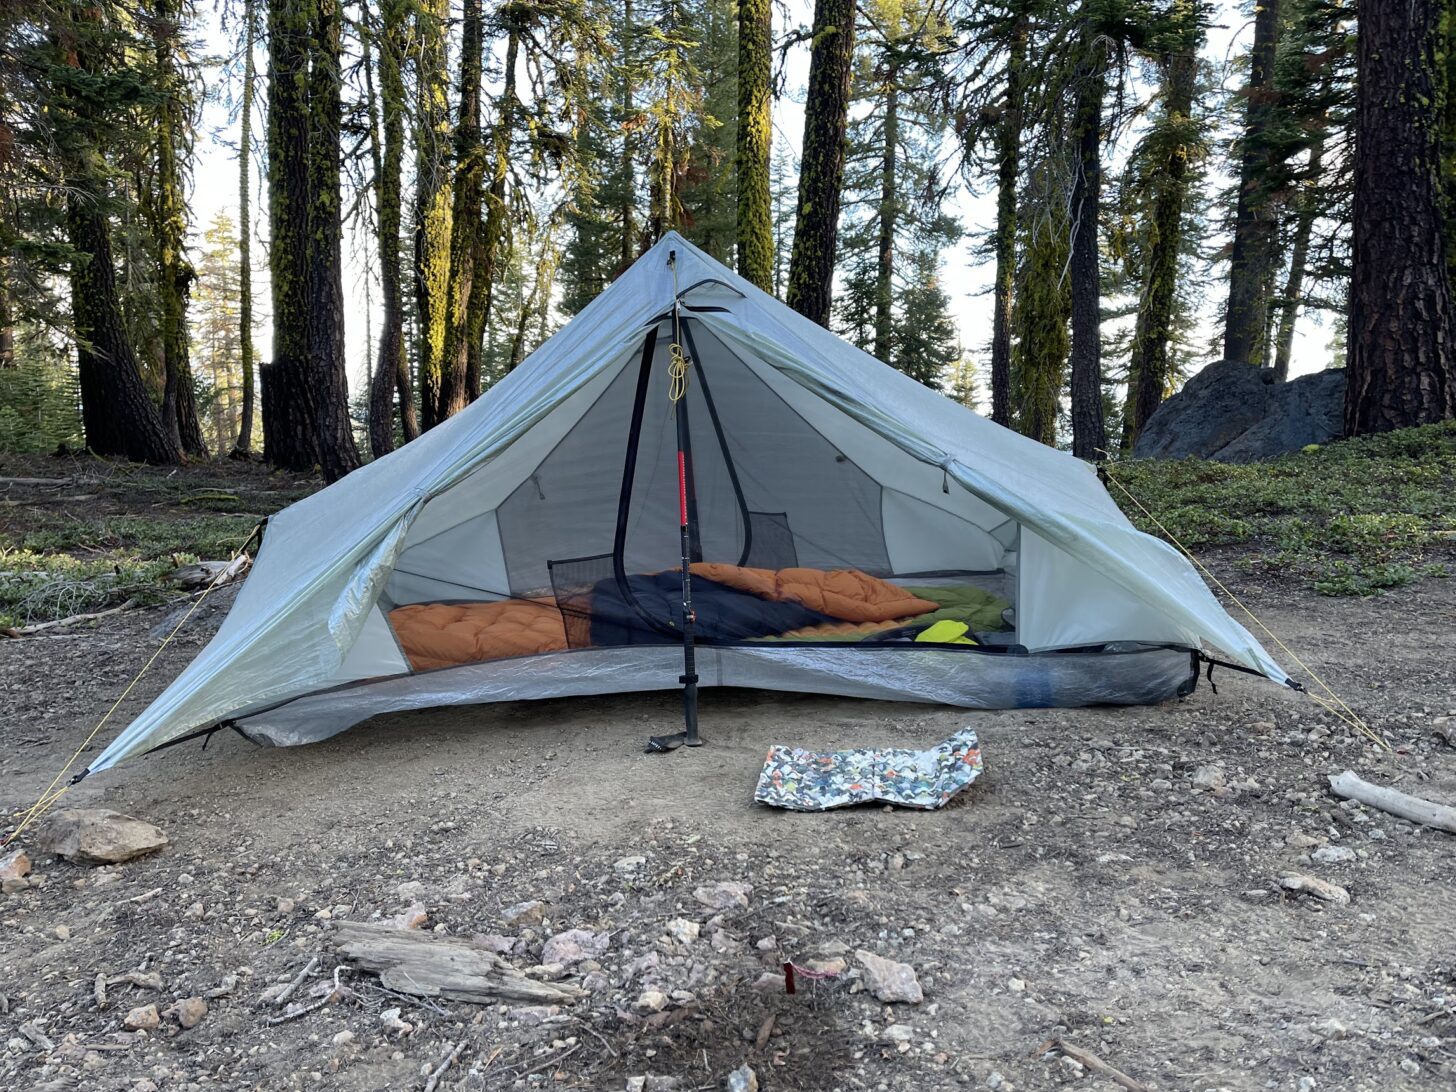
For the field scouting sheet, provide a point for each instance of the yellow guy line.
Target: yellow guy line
(52, 792)
(1335, 704)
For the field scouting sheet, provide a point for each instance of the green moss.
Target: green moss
(1348, 518)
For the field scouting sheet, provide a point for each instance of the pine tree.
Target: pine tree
(1402, 349)
(926, 343)
(755, 235)
(243, 443)
(821, 171)
(432, 206)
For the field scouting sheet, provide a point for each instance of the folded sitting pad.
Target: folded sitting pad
(818, 780)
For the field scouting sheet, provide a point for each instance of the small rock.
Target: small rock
(393, 1025)
(573, 946)
(626, 865)
(1307, 1083)
(412, 918)
(343, 1038)
(899, 1033)
(411, 890)
(768, 982)
(724, 895)
(1320, 889)
(1300, 840)
(531, 1015)
(888, 980)
(742, 1079)
(285, 906)
(11, 886)
(1208, 777)
(14, 865)
(531, 912)
(995, 1080)
(683, 931)
(495, 942)
(98, 836)
(189, 1012)
(143, 1018)
(63, 932)
(1410, 1066)
(1016, 985)
(1333, 855)
(652, 1001)
(1329, 1029)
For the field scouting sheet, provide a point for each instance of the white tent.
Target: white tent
(806, 452)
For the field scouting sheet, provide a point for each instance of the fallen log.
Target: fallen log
(1426, 812)
(432, 965)
(36, 481)
(38, 627)
(209, 574)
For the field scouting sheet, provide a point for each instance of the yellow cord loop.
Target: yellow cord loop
(1334, 703)
(677, 372)
(55, 790)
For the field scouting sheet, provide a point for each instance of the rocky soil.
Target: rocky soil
(1114, 881)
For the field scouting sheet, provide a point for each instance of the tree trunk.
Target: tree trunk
(243, 447)
(821, 172)
(1293, 296)
(432, 206)
(174, 271)
(1008, 171)
(328, 372)
(288, 397)
(384, 154)
(117, 414)
(1402, 337)
(1043, 305)
(755, 139)
(628, 161)
(1151, 368)
(7, 317)
(1089, 435)
(889, 207)
(494, 241)
(1255, 221)
(466, 292)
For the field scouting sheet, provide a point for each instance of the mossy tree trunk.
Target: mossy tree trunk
(1008, 177)
(888, 211)
(1089, 433)
(821, 171)
(466, 291)
(755, 141)
(432, 206)
(174, 272)
(494, 241)
(1043, 307)
(1401, 370)
(1150, 370)
(243, 446)
(1251, 258)
(338, 454)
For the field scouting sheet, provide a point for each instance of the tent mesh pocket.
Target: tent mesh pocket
(772, 546)
(572, 580)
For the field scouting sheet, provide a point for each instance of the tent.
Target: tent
(531, 546)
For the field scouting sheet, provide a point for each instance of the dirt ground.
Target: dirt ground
(1085, 889)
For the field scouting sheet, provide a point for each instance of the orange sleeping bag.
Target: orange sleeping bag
(437, 635)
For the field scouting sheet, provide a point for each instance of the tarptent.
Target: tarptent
(530, 546)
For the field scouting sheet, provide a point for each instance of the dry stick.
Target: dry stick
(37, 627)
(100, 991)
(548, 1063)
(328, 999)
(292, 987)
(446, 1062)
(1425, 812)
(1088, 1060)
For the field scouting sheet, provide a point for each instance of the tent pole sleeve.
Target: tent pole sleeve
(624, 501)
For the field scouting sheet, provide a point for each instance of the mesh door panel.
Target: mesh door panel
(772, 545)
(572, 580)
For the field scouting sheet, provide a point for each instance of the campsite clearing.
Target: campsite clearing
(1083, 889)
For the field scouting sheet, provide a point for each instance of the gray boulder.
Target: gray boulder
(98, 836)
(1236, 412)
